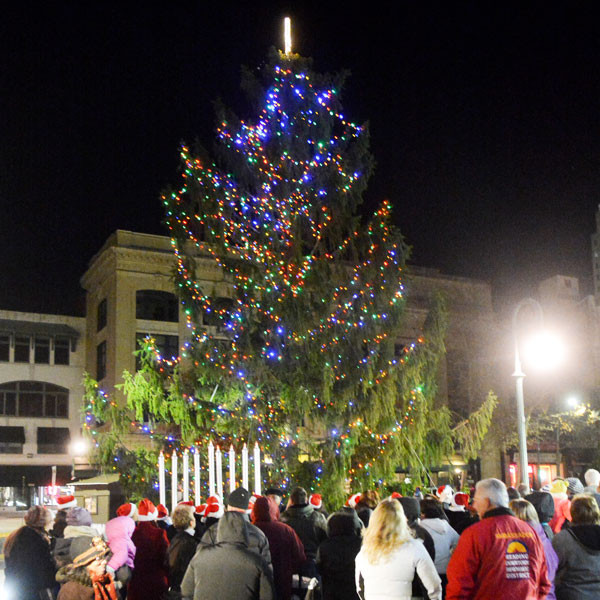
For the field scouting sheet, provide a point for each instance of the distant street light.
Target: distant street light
(573, 401)
(79, 448)
(543, 350)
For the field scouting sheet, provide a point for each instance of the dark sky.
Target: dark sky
(484, 126)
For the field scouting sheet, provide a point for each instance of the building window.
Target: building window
(167, 345)
(101, 361)
(34, 399)
(22, 349)
(101, 315)
(12, 440)
(153, 305)
(62, 351)
(53, 440)
(4, 347)
(41, 350)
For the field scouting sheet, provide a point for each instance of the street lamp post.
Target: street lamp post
(519, 376)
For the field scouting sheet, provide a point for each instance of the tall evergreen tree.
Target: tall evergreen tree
(297, 348)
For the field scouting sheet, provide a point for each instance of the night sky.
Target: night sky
(485, 127)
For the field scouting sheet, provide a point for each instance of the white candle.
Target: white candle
(245, 467)
(173, 481)
(211, 469)
(162, 492)
(231, 468)
(186, 475)
(197, 476)
(219, 467)
(256, 469)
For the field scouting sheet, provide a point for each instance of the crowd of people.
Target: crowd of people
(493, 542)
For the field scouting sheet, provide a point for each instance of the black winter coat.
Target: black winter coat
(228, 569)
(309, 524)
(179, 554)
(335, 558)
(30, 568)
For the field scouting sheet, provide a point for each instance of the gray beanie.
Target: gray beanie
(575, 486)
(79, 516)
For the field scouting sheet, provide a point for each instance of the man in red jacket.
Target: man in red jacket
(499, 557)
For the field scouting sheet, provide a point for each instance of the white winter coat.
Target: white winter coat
(445, 539)
(391, 579)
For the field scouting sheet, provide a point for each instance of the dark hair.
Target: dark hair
(513, 494)
(299, 496)
(432, 509)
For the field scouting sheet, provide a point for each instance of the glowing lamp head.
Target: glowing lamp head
(544, 351)
(572, 401)
(79, 448)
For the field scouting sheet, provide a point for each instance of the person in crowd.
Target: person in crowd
(118, 533)
(444, 537)
(149, 580)
(444, 494)
(276, 494)
(316, 501)
(458, 513)
(513, 494)
(29, 566)
(227, 567)
(164, 520)
(498, 545)
(287, 551)
(309, 524)
(574, 487)
(237, 501)
(523, 489)
(369, 500)
(543, 504)
(562, 512)
(58, 528)
(77, 536)
(412, 510)
(525, 511)
(578, 550)
(182, 547)
(592, 481)
(390, 557)
(336, 556)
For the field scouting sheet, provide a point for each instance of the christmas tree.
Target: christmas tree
(298, 348)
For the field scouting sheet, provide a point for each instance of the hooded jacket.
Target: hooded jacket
(336, 555)
(287, 551)
(444, 541)
(149, 579)
(309, 524)
(180, 553)
(562, 511)
(578, 573)
(499, 557)
(228, 568)
(118, 535)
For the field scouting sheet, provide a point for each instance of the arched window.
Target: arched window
(34, 399)
(154, 305)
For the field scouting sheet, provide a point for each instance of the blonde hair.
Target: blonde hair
(183, 515)
(524, 510)
(584, 510)
(388, 529)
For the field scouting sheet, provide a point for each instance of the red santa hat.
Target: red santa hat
(186, 503)
(66, 502)
(353, 500)
(126, 510)
(214, 508)
(147, 511)
(459, 502)
(251, 502)
(163, 512)
(445, 493)
(316, 501)
(200, 510)
(395, 496)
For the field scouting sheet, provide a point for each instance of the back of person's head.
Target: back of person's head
(432, 509)
(343, 523)
(388, 529)
(574, 486)
(182, 517)
(494, 490)
(584, 510)
(543, 504)
(412, 508)
(523, 489)
(79, 517)
(592, 478)
(513, 494)
(524, 510)
(369, 498)
(298, 496)
(39, 517)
